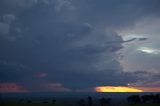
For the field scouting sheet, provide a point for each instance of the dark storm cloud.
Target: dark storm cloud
(116, 13)
(73, 41)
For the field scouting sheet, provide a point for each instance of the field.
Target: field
(34, 104)
(64, 104)
(76, 99)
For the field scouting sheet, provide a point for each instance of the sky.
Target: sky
(79, 45)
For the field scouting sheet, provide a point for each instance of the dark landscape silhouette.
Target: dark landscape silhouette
(134, 99)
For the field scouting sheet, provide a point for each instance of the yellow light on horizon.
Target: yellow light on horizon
(117, 89)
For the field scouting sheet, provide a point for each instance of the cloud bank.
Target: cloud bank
(74, 42)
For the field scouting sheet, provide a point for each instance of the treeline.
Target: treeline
(152, 98)
(132, 99)
(89, 102)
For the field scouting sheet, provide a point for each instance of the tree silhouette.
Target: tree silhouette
(151, 98)
(90, 101)
(134, 99)
(21, 100)
(148, 98)
(104, 101)
(109, 101)
(53, 101)
(1, 102)
(29, 101)
(45, 102)
(157, 98)
(0, 98)
(81, 102)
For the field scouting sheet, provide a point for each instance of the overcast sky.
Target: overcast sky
(74, 45)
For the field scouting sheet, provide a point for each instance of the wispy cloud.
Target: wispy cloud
(11, 87)
(57, 87)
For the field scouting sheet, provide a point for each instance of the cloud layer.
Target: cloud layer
(71, 42)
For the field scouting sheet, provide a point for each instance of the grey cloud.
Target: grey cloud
(8, 18)
(4, 28)
(62, 4)
(146, 78)
(8, 29)
(76, 48)
(12, 66)
(143, 39)
(116, 13)
(10, 6)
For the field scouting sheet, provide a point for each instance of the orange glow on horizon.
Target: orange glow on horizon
(150, 89)
(117, 89)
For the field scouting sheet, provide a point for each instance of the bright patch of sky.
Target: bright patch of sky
(149, 50)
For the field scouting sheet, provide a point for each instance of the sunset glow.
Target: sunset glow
(116, 89)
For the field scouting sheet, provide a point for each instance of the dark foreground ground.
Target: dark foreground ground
(81, 99)
(69, 104)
